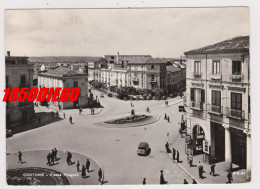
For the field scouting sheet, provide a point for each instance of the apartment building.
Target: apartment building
(218, 102)
(18, 73)
(64, 77)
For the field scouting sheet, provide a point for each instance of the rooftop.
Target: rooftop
(172, 69)
(61, 71)
(148, 61)
(236, 44)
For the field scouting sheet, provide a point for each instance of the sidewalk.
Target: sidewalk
(220, 178)
(38, 158)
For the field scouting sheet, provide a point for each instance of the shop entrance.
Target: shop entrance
(217, 142)
(197, 141)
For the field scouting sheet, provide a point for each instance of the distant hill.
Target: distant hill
(64, 59)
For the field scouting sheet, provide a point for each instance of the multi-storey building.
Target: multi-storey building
(175, 78)
(147, 73)
(218, 102)
(18, 74)
(64, 77)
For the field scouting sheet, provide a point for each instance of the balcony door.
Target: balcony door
(236, 104)
(216, 101)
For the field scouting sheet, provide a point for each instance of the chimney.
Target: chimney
(8, 53)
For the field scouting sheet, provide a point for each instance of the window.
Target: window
(152, 77)
(216, 98)
(236, 101)
(216, 67)
(112, 57)
(192, 94)
(23, 79)
(197, 67)
(202, 93)
(152, 66)
(236, 67)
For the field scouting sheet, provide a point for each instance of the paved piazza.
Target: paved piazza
(115, 149)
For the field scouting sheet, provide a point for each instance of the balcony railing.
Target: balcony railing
(197, 105)
(215, 76)
(196, 75)
(236, 77)
(238, 114)
(215, 109)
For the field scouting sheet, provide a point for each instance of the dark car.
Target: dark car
(143, 148)
(182, 109)
(109, 95)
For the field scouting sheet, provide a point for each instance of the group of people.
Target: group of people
(175, 155)
(52, 157)
(83, 168)
(92, 111)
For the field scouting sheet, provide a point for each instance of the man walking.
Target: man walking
(212, 170)
(178, 156)
(49, 159)
(70, 119)
(167, 147)
(87, 165)
(100, 175)
(165, 117)
(20, 157)
(168, 119)
(77, 165)
(173, 154)
(64, 115)
(144, 181)
(194, 181)
(190, 161)
(200, 168)
(162, 181)
(52, 157)
(55, 153)
(230, 178)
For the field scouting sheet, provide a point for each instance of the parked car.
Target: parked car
(109, 95)
(182, 109)
(143, 148)
(102, 95)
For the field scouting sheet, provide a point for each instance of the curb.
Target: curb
(72, 152)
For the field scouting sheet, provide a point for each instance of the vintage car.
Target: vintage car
(143, 148)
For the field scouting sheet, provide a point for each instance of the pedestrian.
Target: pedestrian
(20, 157)
(52, 156)
(93, 111)
(40, 120)
(162, 181)
(178, 156)
(83, 171)
(165, 116)
(57, 113)
(69, 156)
(167, 147)
(64, 115)
(200, 167)
(100, 175)
(49, 159)
(70, 119)
(212, 170)
(144, 181)
(168, 119)
(52, 114)
(185, 181)
(77, 165)
(194, 181)
(80, 110)
(55, 153)
(190, 161)
(230, 178)
(173, 154)
(87, 165)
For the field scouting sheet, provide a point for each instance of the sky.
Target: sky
(165, 32)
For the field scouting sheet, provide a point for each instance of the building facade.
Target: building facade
(218, 102)
(175, 78)
(64, 77)
(18, 74)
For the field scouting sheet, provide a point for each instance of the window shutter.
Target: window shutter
(192, 94)
(203, 96)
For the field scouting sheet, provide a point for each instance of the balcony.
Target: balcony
(237, 114)
(197, 105)
(196, 75)
(135, 79)
(215, 109)
(236, 77)
(215, 76)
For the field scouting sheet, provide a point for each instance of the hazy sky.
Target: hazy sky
(167, 32)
